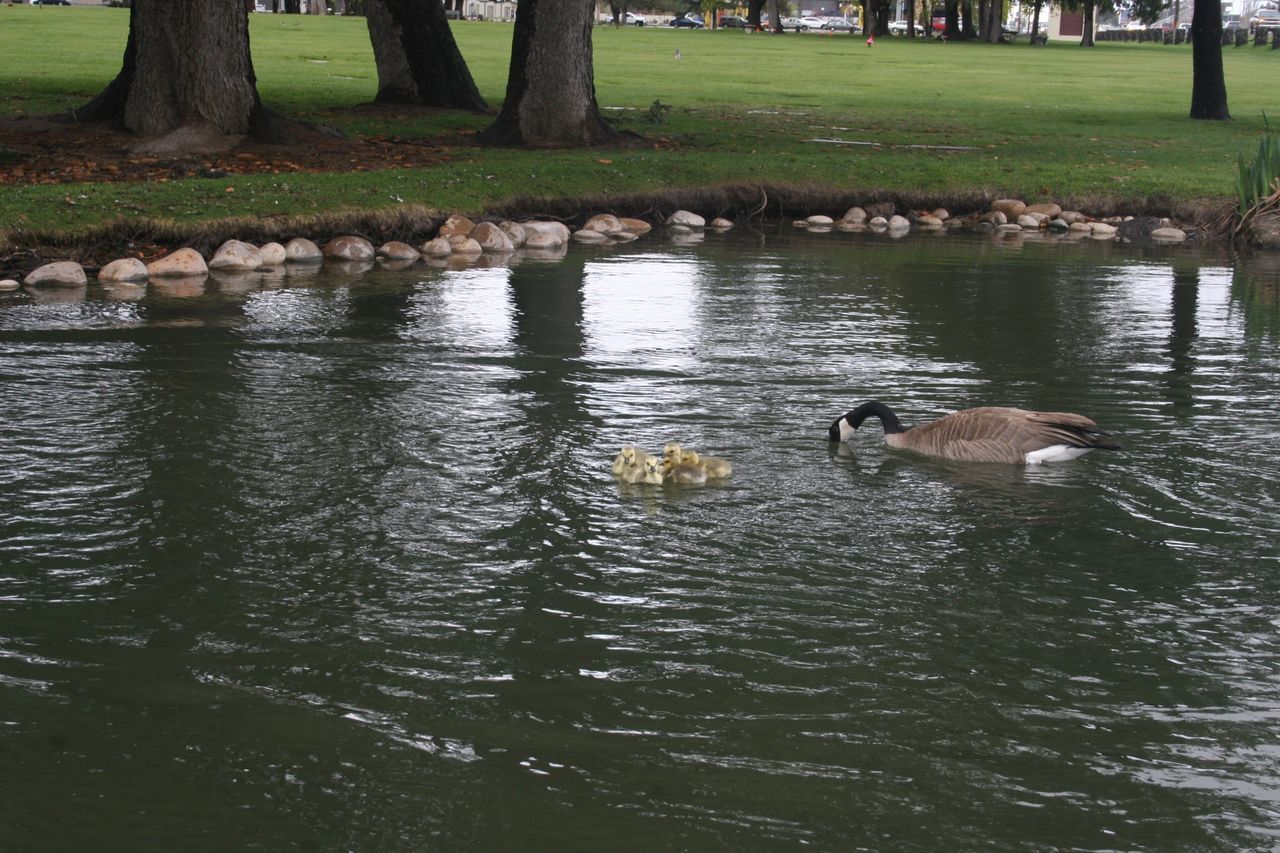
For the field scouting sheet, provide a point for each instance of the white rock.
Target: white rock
(819, 219)
(878, 222)
(1169, 235)
(436, 248)
(686, 218)
(465, 246)
(585, 236)
(855, 215)
(1009, 228)
(64, 273)
(348, 248)
(7, 284)
(124, 269)
(235, 255)
(492, 238)
(929, 222)
(1048, 209)
(899, 223)
(184, 263)
(557, 229)
(394, 250)
(1080, 227)
(514, 231)
(942, 213)
(273, 254)
(1102, 229)
(605, 223)
(1029, 222)
(543, 241)
(300, 250)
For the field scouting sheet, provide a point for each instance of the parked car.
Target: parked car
(809, 22)
(732, 21)
(1265, 20)
(897, 28)
(50, 2)
(839, 25)
(791, 23)
(687, 21)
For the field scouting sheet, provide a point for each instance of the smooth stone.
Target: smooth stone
(1058, 225)
(585, 236)
(8, 284)
(623, 237)
(855, 215)
(995, 217)
(819, 219)
(394, 250)
(543, 242)
(686, 218)
(1029, 222)
(1049, 209)
(1169, 235)
(58, 273)
(235, 255)
(635, 226)
(799, 223)
(899, 223)
(721, 224)
(300, 250)
(182, 263)
(1102, 229)
(456, 224)
(466, 246)
(514, 231)
(929, 222)
(348, 248)
(273, 254)
(123, 269)
(1072, 216)
(605, 223)
(1009, 228)
(437, 247)
(942, 213)
(1080, 227)
(557, 229)
(1012, 208)
(878, 222)
(492, 238)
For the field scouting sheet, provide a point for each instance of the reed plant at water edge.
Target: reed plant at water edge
(1258, 182)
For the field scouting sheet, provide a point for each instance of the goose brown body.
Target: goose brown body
(987, 434)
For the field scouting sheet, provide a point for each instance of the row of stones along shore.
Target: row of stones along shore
(459, 237)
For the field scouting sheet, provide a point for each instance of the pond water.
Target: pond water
(336, 561)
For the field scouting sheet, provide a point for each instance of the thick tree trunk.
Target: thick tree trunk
(551, 97)
(418, 61)
(186, 66)
(951, 28)
(969, 30)
(1035, 23)
(1086, 39)
(775, 16)
(991, 21)
(1208, 88)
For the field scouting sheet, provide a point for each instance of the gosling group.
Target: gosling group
(676, 465)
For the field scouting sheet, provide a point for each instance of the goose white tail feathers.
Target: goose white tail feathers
(988, 434)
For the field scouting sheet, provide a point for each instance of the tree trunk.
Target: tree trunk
(293, 7)
(969, 30)
(775, 16)
(951, 28)
(186, 66)
(991, 22)
(1086, 39)
(754, 8)
(418, 61)
(551, 97)
(1208, 88)
(1035, 22)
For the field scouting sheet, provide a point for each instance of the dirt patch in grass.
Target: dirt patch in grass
(39, 151)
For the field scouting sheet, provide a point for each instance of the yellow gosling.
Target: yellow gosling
(653, 472)
(626, 458)
(717, 469)
(686, 473)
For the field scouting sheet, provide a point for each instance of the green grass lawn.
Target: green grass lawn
(1060, 121)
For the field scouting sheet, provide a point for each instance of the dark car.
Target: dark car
(732, 21)
(684, 21)
(50, 2)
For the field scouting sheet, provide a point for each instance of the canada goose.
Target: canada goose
(988, 434)
(628, 457)
(687, 472)
(717, 469)
(635, 473)
(671, 455)
(653, 472)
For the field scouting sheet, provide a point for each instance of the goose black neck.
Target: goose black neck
(875, 408)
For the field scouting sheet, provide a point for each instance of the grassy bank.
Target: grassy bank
(1055, 122)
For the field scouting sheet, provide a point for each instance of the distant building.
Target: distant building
(1063, 24)
(489, 10)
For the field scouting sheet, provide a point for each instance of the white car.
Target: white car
(809, 22)
(898, 28)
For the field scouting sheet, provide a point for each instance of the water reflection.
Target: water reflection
(327, 553)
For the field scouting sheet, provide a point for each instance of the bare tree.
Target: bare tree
(551, 96)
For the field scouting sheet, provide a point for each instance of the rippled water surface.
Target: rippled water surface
(336, 562)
